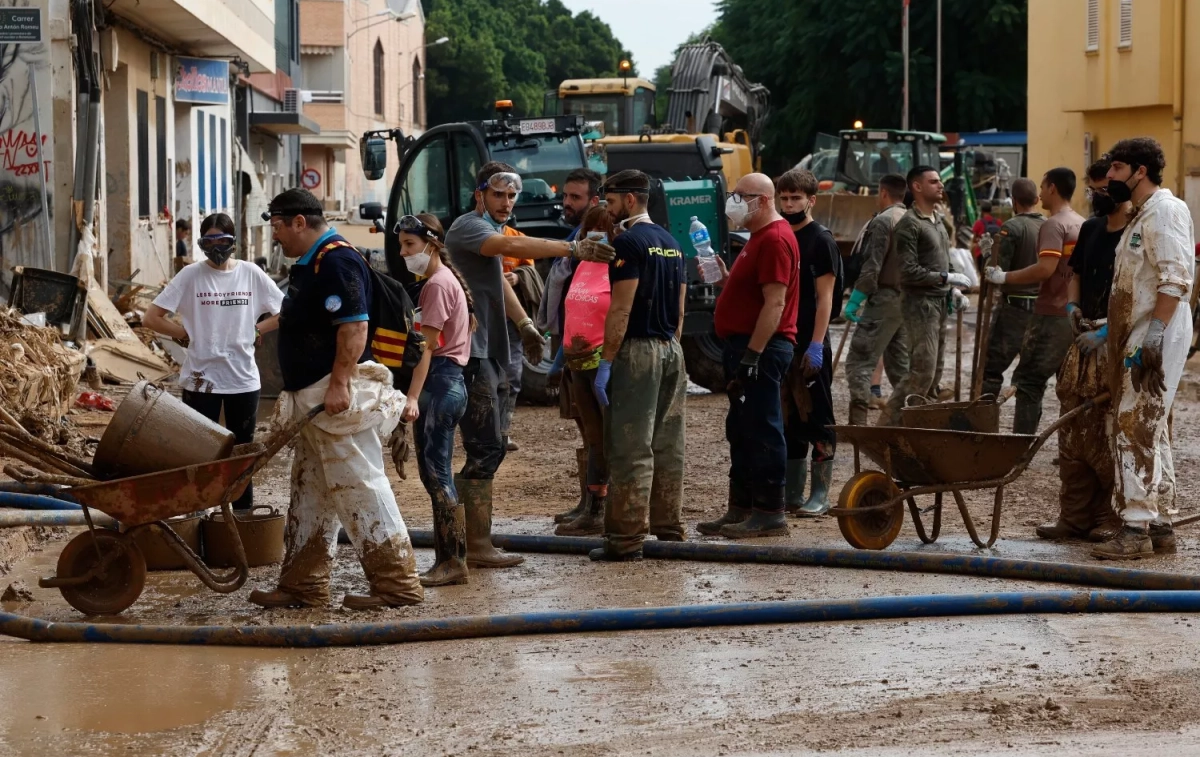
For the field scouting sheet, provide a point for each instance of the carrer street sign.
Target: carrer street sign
(20, 25)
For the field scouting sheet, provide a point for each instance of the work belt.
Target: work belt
(1021, 303)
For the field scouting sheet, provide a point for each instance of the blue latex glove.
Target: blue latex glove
(559, 361)
(1090, 341)
(600, 386)
(854, 306)
(814, 358)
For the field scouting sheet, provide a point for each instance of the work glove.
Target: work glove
(600, 385)
(1145, 362)
(814, 358)
(994, 275)
(1090, 341)
(554, 377)
(533, 341)
(592, 251)
(854, 306)
(1075, 314)
(398, 446)
(747, 374)
(956, 301)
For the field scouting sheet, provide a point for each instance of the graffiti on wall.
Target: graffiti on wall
(22, 229)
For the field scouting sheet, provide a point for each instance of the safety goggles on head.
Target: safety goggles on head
(218, 242)
(502, 182)
(415, 226)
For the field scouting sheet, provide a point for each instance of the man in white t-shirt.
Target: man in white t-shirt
(220, 300)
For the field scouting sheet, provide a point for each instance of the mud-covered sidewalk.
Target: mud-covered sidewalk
(1008, 685)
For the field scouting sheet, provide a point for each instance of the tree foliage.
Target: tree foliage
(828, 64)
(516, 49)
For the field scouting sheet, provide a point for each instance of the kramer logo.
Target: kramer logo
(693, 200)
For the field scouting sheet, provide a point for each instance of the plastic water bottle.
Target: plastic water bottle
(706, 259)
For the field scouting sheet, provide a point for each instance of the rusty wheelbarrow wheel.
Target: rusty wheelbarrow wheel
(119, 582)
(870, 530)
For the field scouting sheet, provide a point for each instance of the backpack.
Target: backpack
(391, 337)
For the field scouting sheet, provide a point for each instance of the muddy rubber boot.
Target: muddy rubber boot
(591, 523)
(795, 478)
(274, 600)
(760, 524)
(476, 496)
(737, 511)
(1130, 544)
(1108, 529)
(373, 602)
(1059, 531)
(818, 501)
(450, 568)
(608, 554)
(1162, 538)
(581, 460)
(857, 416)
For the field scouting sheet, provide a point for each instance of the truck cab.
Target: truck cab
(867, 155)
(619, 106)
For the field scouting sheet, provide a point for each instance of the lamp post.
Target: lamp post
(386, 15)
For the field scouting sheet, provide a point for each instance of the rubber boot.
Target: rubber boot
(1130, 544)
(273, 600)
(608, 554)
(797, 473)
(450, 567)
(373, 602)
(476, 496)
(591, 523)
(766, 519)
(737, 511)
(1162, 537)
(1060, 530)
(818, 500)
(581, 460)
(857, 416)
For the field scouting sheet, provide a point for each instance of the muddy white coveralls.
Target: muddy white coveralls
(338, 478)
(1156, 254)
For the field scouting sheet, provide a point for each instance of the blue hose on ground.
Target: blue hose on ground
(26, 501)
(618, 619)
(14, 518)
(50, 490)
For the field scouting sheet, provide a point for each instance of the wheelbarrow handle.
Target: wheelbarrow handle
(280, 438)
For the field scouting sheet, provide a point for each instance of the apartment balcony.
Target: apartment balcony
(203, 27)
(329, 111)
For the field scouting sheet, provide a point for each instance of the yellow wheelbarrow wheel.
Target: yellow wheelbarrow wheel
(871, 530)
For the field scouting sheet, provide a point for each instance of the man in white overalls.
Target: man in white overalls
(1150, 330)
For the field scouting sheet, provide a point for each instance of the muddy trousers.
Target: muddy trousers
(1085, 469)
(880, 333)
(443, 401)
(1141, 433)
(591, 428)
(241, 416)
(754, 425)
(340, 481)
(1045, 345)
(925, 320)
(483, 439)
(514, 368)
(1004, 343)
(644, 435)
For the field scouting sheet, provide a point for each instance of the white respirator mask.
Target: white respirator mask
(419, 263)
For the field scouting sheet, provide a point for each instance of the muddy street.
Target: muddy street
(1006, 685)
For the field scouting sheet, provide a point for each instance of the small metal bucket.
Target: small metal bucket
(261, 533)
(980, 416)
(158, 552)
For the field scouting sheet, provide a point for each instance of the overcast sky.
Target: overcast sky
(651, 29)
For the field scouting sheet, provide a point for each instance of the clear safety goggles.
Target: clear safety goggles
(221, 242)
(415, 226)
(502, 182)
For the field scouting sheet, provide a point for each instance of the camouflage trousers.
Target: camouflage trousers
(1086, 469)
(1046, 342)
(1004, 344)
(925, 320)
(880, 333)
(644, 438)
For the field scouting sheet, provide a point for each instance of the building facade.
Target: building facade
(1104, 70)
(363, 63)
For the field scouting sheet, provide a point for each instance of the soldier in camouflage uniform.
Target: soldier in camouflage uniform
(1018, 249)
(922, 249)
(875, 305)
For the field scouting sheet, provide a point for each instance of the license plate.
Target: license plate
(537, 125)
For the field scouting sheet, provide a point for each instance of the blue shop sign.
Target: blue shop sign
(198, 80)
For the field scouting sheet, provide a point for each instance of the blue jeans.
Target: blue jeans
(443, 401)
(754, 427)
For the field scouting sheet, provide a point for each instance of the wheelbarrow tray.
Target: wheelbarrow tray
(924, 457)
(137, 500)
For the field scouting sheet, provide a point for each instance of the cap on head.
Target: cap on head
(294, 202)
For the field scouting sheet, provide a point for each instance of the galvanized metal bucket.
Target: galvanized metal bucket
(261, 532)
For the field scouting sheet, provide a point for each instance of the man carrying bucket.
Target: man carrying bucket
(337, 475)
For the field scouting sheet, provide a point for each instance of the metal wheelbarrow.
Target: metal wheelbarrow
(102, 571)
(921, 461)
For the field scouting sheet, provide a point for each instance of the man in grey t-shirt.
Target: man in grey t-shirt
(477, 247)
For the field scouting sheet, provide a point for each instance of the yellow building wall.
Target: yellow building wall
(1113, 93)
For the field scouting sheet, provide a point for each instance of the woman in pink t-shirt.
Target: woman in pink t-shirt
(585, 308)
(437, 396)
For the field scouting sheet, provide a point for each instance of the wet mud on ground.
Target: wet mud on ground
(1094, 684)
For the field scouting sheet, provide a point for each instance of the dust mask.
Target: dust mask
(419, 263)
(737, 210)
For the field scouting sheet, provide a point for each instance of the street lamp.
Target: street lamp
(439, 41)
(385, 15)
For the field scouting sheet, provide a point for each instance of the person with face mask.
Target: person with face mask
(477, 246)
(1049, 333)
(338, 478)
(922, 249)
(1085, 461)
(438, 388)
(219, 302)
(756, 316)
(1149, 333)
(1018, 250)
(640, 378)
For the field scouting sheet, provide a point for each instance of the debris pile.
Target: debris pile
(38, 373)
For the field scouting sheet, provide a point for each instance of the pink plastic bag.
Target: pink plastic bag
(586, 307)
(94, 401)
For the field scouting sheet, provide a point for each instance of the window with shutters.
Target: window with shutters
(1093, 26)
(378, 78)
(1125, 36)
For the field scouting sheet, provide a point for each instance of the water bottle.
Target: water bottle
(706, 259)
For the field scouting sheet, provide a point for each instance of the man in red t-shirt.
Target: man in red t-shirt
(756, 316)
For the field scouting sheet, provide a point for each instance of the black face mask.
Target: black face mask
(218, 255)
(796, 218)
(1119, 191)
(1103, 204)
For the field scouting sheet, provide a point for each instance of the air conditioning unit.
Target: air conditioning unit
(291, 101)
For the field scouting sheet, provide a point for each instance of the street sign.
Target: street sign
(20, 25)
(311, 178)
(203, 81)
